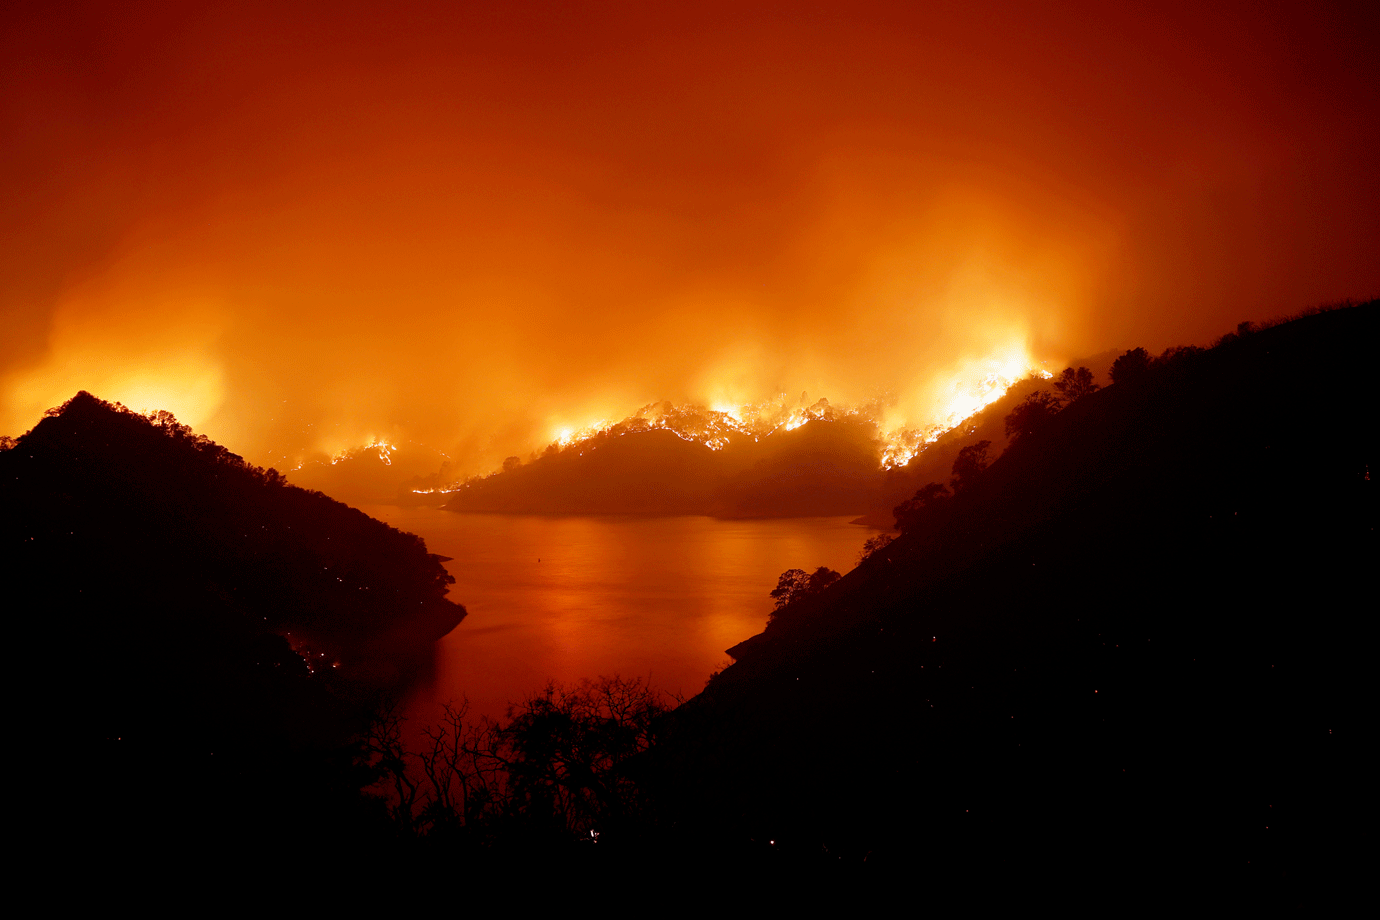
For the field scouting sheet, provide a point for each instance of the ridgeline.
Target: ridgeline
(205, 633)
(1133, 648)
(831, 466)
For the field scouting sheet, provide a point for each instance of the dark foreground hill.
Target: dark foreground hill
(1135, 650)
(199, 632)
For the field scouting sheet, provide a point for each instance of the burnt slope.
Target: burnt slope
(1133, 647)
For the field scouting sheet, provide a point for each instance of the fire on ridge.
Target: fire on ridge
(713, 426)
(716, 425)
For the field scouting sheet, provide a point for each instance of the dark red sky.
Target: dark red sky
(472, 223)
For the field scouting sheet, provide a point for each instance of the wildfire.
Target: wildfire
(968, 401)
(715, 427)
(385, 451)
(975, 386)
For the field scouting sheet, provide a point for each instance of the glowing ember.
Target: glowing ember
(385, 452)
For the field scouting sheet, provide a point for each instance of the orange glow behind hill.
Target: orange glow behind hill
(303, 228)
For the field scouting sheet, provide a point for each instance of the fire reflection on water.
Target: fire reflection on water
(568, 598)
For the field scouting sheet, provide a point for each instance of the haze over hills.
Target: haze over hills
(755, 461)
(758, 461)
(823, 461)
(374, 473)
(499, 221)
(832, 462)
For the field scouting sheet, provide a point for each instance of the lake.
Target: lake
(566, 598)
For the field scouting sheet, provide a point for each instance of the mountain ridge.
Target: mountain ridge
(1124, 647)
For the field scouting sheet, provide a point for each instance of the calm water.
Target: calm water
(566, 598)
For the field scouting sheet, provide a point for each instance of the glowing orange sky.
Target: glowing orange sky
(467, 226)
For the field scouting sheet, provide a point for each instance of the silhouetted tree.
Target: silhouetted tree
(795, 584)
(875, 545)
(971, 461)
(822, 578)
(1032, 415)
(1074, 384)
(1177, 355)
(789, 586)
(556, 771)
(387, 757)
(1133, 365)
(566, 748)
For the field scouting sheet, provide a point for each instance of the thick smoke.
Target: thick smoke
(301, 232)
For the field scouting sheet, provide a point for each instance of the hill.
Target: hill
(370, 474)
(201, 631)
(830, 465)
(1132, 650)
(808, 461)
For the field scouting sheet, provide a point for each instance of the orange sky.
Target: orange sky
(469, 224)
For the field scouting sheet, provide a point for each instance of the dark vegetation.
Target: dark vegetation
(936, 463)
(1130, 649)
(795, 585)
(1030, 415)
(563, 769)
(207, 637)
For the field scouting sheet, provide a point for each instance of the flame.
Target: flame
(385, 451)
(975, 385)
(567, 436)
(967, 399)
(967, 387)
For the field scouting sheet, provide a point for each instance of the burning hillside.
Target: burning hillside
(769, 459)
(726, 428)
(370, 473)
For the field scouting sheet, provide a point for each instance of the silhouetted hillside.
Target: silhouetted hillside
(827, 466)
(936, 461)
(181, 600)
(106, 490)
(824, 462)
(646, 471)
(1134, 648)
